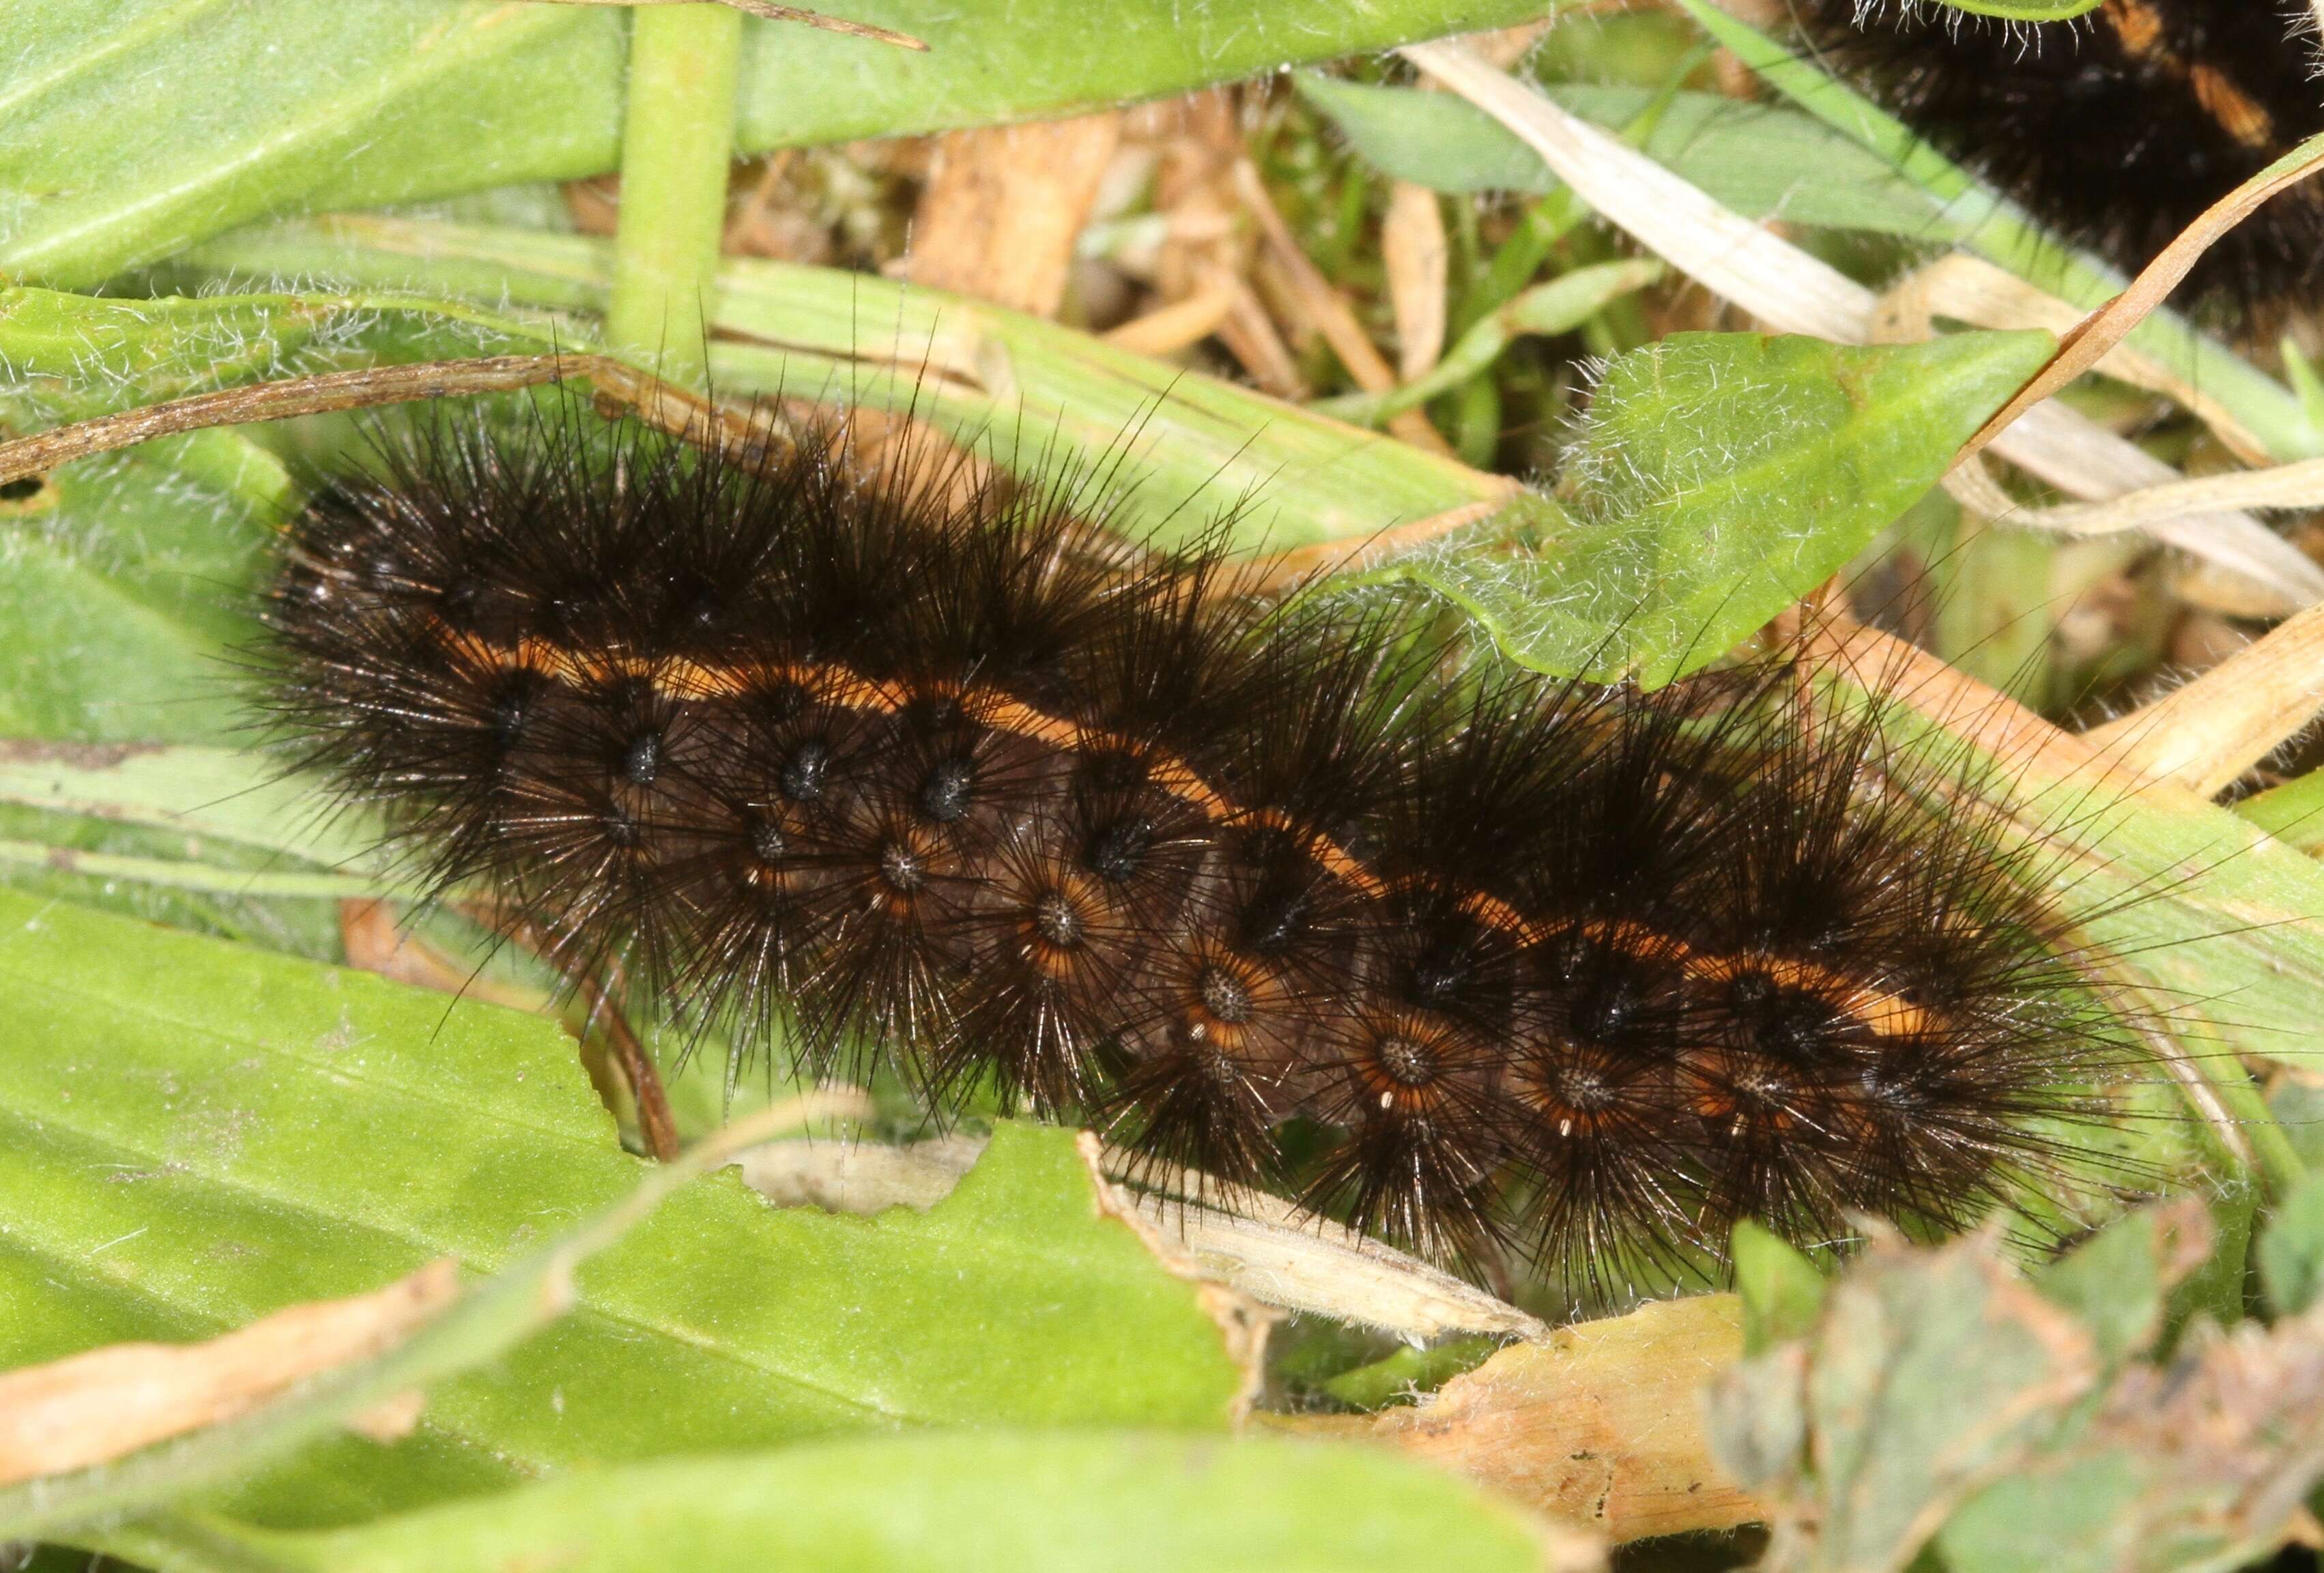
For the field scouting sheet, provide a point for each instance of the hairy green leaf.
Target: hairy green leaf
(1719, 478)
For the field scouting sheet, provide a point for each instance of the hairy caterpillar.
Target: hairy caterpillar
(919, 776)
(2119, 127)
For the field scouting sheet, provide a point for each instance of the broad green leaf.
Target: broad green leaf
(1009, 1503)
(214, 840)
(1781, 1289)
(2075, 1516)
(2292, 1250)
(118, 603)
(67, 356)
(1719, 478)
(205, 794)
(483, 1319)
(2120, 1281)
(193, 1134)
(125, 593)
(1756, 159)
(135, 130)
(1947, 1401)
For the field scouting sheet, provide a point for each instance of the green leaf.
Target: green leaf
(1751, 157)
(483, 1319)
(135, 130)
(2027, 10)
(193, 1134)
(1781, 1289)
(2122, 1280)
(204, 792)
(2292, 1250)
(2076, 1516)
(1034, 395)
(2293, 813)
(68, 356)
(118, 602)
(1721, 477)
(1929, 1373)
(1023, 1502)
(124, 594)
(1945, 1399)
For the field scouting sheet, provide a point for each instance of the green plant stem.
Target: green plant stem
(1557, 307)
(184, 875)
(677, 138)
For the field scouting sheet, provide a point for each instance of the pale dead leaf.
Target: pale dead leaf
(2205, 734)
(1004, 204)
(89, 1408)
(1598, 1424)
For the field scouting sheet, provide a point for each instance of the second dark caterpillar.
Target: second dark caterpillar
(913, 774)
(2117, 128)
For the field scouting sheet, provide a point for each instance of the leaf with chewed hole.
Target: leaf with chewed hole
(193, 1134)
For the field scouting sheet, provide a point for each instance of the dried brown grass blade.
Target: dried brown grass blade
(1328, 310)
(2088, 342)
(1414, 250)
(1173, 328)
(2204, 735)
(622, 387)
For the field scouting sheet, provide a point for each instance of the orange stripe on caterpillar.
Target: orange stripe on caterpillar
(1879, 1010)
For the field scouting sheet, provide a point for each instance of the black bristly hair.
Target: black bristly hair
(919, 772)
(2117, 128)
